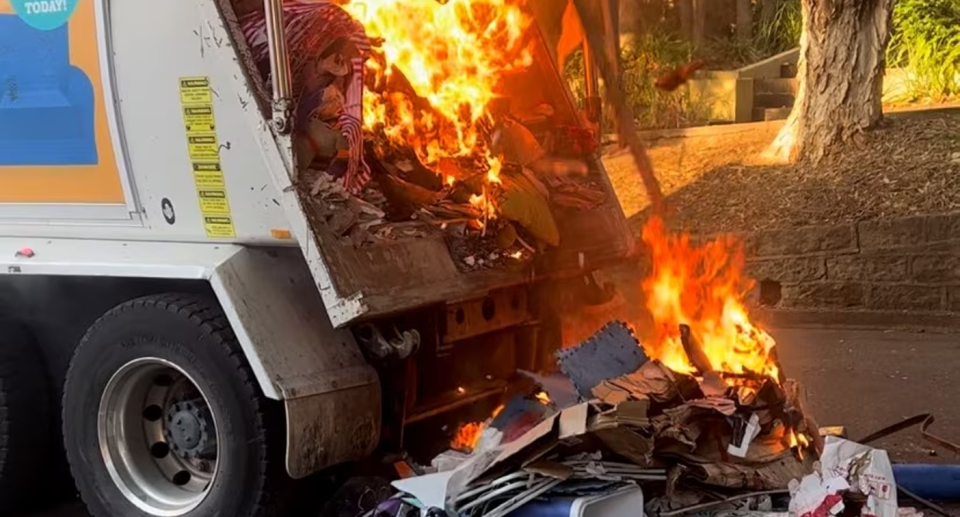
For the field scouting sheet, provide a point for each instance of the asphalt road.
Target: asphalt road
(861, 379)
(866, 380)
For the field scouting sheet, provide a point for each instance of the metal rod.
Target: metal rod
(279, 60)
(591, 72)
(626, 125)
(610, 9)
(523, 498)
(592, 104)
(494, 493)
(502, 480)
(930, 505)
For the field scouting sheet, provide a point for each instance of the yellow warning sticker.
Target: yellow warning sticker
(203, 146)
(213, 201)
(204, 151)
(208, 175)
(219, 226)
(198, 118)
(195, 90)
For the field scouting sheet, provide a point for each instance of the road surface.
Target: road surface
(862, 379)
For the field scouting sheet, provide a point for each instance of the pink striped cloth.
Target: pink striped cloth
(310, 28)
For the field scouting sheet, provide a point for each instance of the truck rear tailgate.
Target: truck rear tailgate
(394, 276)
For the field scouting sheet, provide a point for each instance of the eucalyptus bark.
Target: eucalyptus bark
(744, 20)
(699, 23)
(685, 13)
(840, 72)
(631, 23)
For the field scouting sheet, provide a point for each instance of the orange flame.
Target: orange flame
(467, 436)
(703, 287)
(543, 397)
(454, 55)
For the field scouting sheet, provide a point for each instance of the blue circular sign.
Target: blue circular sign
(44, 15)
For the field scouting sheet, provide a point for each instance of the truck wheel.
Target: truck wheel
(162, 416)
(24, 415)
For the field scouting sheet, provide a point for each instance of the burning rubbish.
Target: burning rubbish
(640, 423)
(699, 291)
(655, 438)
(409, 125)
(700, 421)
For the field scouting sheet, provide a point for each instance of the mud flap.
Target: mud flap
(332, 395)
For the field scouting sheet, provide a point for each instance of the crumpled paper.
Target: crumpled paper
(846, 466)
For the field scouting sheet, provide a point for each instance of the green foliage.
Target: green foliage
(650, 56)
(781, 32)
(657, 51)
(729, 53)
(926, 40)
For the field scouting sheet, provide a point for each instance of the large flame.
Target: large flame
(454, 55)
(703, 287)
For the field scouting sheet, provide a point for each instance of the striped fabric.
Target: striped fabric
(310, 28)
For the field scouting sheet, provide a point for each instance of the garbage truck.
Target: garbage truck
(177, 326)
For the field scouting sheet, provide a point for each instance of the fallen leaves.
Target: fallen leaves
(909, 166)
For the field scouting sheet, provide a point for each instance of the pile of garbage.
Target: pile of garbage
(485, 222)
(616, 432)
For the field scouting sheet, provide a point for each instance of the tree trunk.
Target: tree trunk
(744, 20)
(630, 22)
(699, 23)
(840, 71)
(685, 9)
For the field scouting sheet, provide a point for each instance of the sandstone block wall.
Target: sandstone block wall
(909, 264)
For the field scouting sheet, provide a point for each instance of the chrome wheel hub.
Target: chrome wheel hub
(158, 437)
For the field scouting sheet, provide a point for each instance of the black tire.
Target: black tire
(25, 416)
(191, 332)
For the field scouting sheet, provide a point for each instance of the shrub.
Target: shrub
(646, 59)
(926, 40)
(782, 31)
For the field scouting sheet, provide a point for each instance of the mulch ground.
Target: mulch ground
(908, 166)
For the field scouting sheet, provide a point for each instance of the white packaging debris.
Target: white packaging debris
(846, 466)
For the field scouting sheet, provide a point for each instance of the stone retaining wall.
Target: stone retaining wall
(910, 264)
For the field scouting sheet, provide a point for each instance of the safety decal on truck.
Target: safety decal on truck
(203, 148)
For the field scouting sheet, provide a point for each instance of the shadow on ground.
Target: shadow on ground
(716, 183)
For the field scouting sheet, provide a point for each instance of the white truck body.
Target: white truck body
(107, 218)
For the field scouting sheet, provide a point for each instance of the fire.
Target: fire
(453, 54)
(798, 440)
(703, 287)
(467, 436)
(543, 397)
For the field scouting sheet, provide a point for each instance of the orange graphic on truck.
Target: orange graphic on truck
(55, 136)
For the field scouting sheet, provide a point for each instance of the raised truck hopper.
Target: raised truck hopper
(396, 275)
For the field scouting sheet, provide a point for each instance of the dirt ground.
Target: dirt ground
(910, 165)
